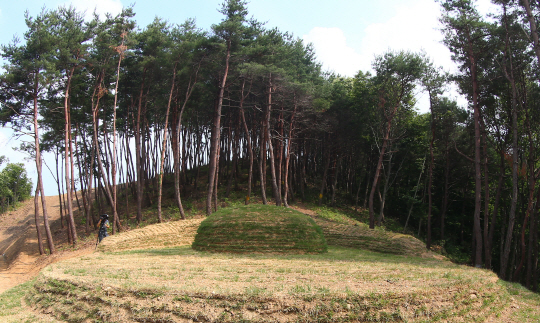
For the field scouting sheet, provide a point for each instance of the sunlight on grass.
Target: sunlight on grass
(344, 284)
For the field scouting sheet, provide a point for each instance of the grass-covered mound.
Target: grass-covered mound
(259, 228)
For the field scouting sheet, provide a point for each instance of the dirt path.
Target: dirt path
(20, 260)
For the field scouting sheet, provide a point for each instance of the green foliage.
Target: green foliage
(15, 186)
(396, 77)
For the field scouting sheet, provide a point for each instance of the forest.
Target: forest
(15, 186)
(247, 111)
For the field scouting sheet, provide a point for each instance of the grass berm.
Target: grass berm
(259, 229)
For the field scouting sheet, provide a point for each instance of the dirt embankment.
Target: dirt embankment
(20, 259)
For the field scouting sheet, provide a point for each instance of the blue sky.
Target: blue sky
(346, 34)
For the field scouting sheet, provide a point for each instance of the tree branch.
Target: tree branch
(462, 154)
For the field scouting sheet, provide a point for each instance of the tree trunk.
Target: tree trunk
(379, 167)
(534, 31)
(262, 163)
(512, 216)
(288, 157)
(177, 149)
(138, 153)
(385, 190)
(486, 196)
(335, 181)
(36, 218)
(530, 204)
(362, 174)
(277, 193)
(116, 221)
(414, 197)
(48, 233)
(530, 261)
(59, 189)
(68, 153)
(535, 234)
(477, 232)
(444, 207)
(83, 189)
(103, 175)
(430, 175)
(489, 242)
(248, 140)
(323, 181)
(216, 130)
(164, 146)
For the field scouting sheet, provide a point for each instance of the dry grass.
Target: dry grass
(133, 278)
(160, 235)
(179, 284)
(341, 230)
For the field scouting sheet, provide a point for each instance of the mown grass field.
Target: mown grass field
(346, 284)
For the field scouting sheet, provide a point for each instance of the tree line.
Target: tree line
(15, 186)
(246, 108)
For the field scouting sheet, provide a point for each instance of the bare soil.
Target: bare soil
(20, 260)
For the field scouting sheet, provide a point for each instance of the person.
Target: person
(103, 225)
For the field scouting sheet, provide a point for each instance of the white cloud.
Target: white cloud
(332, 50)
(415, 27)
(485, 7)
(100, 6)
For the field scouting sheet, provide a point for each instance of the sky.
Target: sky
(346, 34)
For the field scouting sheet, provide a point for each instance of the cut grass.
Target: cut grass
(382, 282)
(339, 286)
(13, 308)
(259, 228)
(361, 236)
(160, 235)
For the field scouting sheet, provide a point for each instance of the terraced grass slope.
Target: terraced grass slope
(343, 285)
(169, 234)
(259, 228)
(341, 230)
(362, 237)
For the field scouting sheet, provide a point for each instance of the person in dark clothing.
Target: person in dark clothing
(103, 225)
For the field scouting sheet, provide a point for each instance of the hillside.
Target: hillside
(134, 278)
(20, 259)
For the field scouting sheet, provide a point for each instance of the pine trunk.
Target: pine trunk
(216, 130)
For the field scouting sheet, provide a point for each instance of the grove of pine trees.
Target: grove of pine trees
(128, 110)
